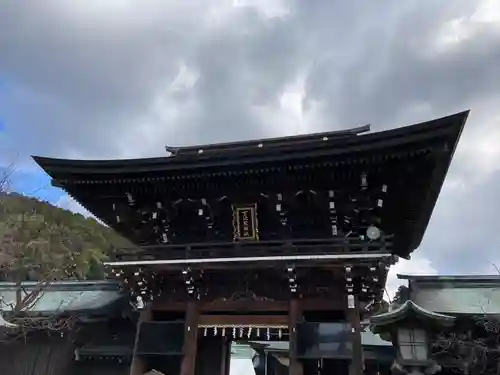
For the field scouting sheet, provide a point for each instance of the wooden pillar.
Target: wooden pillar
(138, 366)
(353, 316)
(295, 316)
(190, 347)
(226, 357)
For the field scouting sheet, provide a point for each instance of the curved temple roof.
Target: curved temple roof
(406, 310)
(286, 148)
(349, 147)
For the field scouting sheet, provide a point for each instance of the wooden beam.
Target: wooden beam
(190, 338)
(245, 306)
(241, 320)
(226, 358)
(138, 365)
(252, 306)
(357, 362)
(332, 255)
(295, 316)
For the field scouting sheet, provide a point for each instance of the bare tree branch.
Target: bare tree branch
(19, 251)
(6, 174)
(473, 347)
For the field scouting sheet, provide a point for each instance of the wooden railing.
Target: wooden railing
(254, 249)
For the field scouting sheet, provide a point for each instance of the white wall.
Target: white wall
(459, 300)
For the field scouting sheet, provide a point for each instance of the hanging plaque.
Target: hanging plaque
(245, 225)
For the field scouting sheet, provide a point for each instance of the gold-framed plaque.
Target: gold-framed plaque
(245, 223)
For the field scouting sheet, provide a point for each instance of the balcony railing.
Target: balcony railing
(254, 249)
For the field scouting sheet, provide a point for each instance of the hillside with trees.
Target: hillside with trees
(39, 241)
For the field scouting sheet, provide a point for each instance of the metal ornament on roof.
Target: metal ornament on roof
(139, 303)
(373, 233)
(189, 280)
(349, 287)
(292, 279)
(130, 199)
(333, 212)
(140, 285)
(362, 218)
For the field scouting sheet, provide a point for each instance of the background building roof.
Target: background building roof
(63, 296)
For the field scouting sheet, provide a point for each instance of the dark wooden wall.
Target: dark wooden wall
(211, 358)
(100, 368)
(52, 356)
(37, 357)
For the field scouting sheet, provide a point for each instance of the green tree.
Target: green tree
(401, 296)
(43, 243)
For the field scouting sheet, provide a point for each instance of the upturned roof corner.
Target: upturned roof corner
(409, 310)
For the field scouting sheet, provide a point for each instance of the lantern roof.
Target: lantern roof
(409, 310)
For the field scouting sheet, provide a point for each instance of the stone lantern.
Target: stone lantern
(408, 327)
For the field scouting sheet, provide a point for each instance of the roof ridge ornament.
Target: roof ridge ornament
(271, 141)
(172, 150)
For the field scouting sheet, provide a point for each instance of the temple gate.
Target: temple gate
(285, 239)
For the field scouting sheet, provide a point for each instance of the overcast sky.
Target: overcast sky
(122, 78)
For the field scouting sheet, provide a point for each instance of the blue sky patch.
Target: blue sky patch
(36, 184)
(4, 83)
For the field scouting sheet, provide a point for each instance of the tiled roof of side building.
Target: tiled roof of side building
(456, 294)
(74, 296)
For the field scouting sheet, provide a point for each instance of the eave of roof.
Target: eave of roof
(368, 338)
(408, 309)
(448, 129)
(466, 280)
(64, 296)
(65, 285)
(438, 177)
(450, 126)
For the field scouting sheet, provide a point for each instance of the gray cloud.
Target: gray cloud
(123, 79)
(464, 227)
